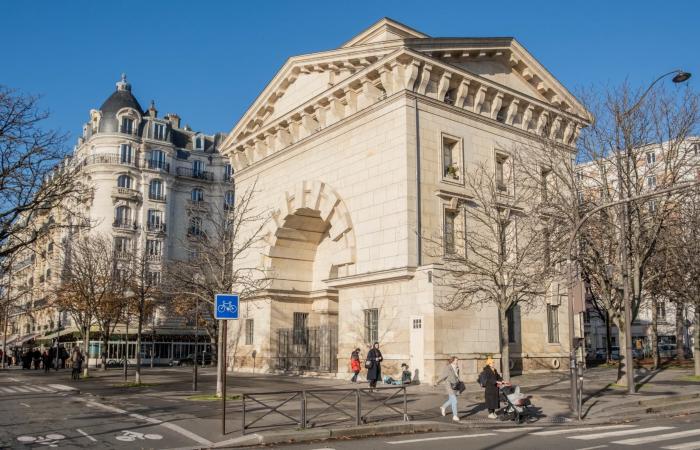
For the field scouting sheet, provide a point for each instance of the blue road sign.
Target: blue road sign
(226, 306)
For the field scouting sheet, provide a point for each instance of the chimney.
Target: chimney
(174, 120)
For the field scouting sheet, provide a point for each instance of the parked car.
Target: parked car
(189, 360)
(615, 353)
(637, 353)
(667, 350)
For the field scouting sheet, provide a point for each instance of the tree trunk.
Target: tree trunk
(504, 348)
(655, 333)
(680, 334)
(139, 328)
(608, 338)
(86, 351)
(105, 345)
(622, 362)
(696, 340)
(126, 350)
(220, 365)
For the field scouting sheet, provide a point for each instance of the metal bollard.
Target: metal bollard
(303, 409)
(358, 408)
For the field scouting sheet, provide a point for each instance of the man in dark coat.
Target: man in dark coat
(489, 379)
(374, 372)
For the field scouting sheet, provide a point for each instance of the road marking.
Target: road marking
(576, 430)
(517, 430)
(21, 389)
(684, 446)
(33, 389)
(62, 387)
(591, 448)
(587, 437)
(172, 426)
(45, 389)
(410, 441)
(658, 437)
(24, 404)
(9, 390)
(86, 435)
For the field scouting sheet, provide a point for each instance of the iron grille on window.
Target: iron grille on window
(510, 317)
(300, 330)
(371, 325)
(249, 330)
(553, 324)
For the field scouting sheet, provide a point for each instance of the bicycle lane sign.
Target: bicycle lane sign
(226, 306)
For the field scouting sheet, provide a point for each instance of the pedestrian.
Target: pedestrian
(76, 361)
(45, 361)
(36, 356)
(355, 365)
(374, 365)
(488, 379)
(453, 387)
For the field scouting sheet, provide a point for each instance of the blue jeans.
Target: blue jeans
(451, 401)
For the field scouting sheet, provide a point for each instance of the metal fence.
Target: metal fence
(307, 349)
(314, 408)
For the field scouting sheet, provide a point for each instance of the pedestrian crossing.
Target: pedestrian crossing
(33, 389)
(666, 437)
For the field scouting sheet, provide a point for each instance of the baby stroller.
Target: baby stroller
(518, 407)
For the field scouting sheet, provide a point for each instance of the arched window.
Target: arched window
(124, 181)
(155, 190)
(195, 228)
(197, 195)
(199, 143)
(228, 200)
(48, 274)
(122, 217)
(127, 125)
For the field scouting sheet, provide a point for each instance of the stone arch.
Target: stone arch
(310, 220)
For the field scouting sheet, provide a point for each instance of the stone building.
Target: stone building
(357, 152)
(154, 181)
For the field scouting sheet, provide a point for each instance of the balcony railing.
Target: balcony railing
(126, 193)
(121, 224)
(156, 197)
(156, 227)
(160, 166)
(111, 158)
(200, 205)
(153, 258)
(196, 174)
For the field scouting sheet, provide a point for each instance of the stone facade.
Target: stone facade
(346, 148)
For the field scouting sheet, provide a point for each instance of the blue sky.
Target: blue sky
(207, 60)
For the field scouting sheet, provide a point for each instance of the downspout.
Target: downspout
(419, 246)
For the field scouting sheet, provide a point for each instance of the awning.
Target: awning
(22, 339)
(52, 336)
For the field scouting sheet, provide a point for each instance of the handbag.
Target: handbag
(458, 386)
(368, 364)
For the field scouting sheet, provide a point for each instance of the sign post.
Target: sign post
(225, 308)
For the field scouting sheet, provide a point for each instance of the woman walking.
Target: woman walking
(355, 365)
(374, 365)
(489, 379)
(77, 362)
(453, 387)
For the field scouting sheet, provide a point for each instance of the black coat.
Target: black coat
(375, 372)
(491, 397)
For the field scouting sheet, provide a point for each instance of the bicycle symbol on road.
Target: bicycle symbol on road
(227, 306)
(130, 436)
(51, 440)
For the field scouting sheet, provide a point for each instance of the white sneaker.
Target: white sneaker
(455, 418)
(493, 416)
(442, 411)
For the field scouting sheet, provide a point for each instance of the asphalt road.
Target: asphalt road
(680, 433)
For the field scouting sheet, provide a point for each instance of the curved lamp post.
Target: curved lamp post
(679, 76)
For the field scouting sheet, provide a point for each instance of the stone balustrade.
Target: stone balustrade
(408, 70)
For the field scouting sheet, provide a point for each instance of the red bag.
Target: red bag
(355, 365)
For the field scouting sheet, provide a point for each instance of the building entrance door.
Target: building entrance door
(416, 362)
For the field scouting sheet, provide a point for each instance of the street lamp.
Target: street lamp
(679, 76)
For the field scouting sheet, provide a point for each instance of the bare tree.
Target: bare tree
(217, 244)
(36, 176)
(495, 248)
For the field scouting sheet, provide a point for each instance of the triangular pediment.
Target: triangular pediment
(384, 30)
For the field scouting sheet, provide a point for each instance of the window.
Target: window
(449, 232)
(544, 188)
(199, 143)
(653, 206)
(153, 278)
(155, 219)
(229, 198)
(371, 325)
(156, 160)
(651, 182)
(553, 324)
(127, 125)
(125, 154)
(249, 331)
(510, 317)
(695, 148)
(49, 248)
(651, 158)
(661, 311)
(197, 168)
(300, 331)
(195, 227)
(122, 216)
(124, 181)
(417, 324)
(153, 247)
(227, 172)
(503, 172)
(48, 274)
(122, 245)
(197, 195)
(450, 159)
(155, 190)
(159, 131)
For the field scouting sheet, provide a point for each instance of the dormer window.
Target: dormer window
(199, 143)
(159, 131)
(127, 125)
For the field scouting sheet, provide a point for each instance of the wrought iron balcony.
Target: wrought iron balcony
(111, 158)
(156, 197)
(126, 193)
(156, 227)
(158, 165)
(196, 174)
(127, 225)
